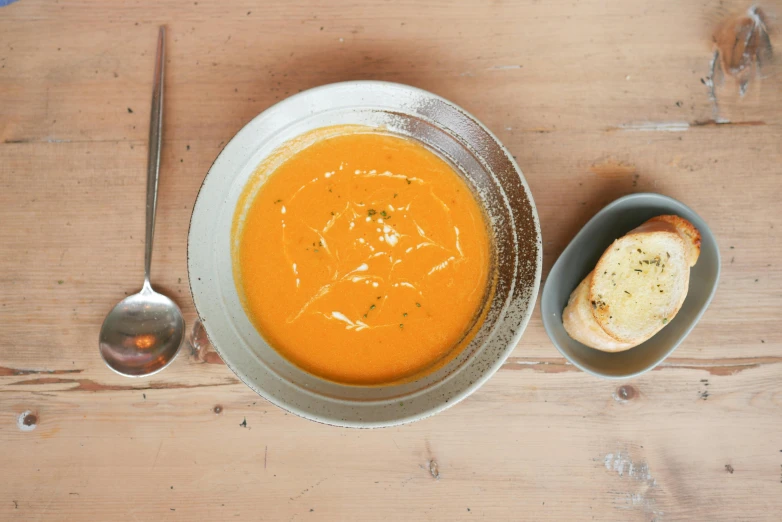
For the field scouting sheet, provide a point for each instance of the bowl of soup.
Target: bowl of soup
(364, 254)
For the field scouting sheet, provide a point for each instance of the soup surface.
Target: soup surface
(363, 259)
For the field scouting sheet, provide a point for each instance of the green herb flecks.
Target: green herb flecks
(371, 212)
(278, 201)
(665, 320)
(385, 215)
(418, 305)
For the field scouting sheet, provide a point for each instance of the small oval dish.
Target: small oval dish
(580, 257)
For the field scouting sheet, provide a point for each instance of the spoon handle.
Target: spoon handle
(153, 160)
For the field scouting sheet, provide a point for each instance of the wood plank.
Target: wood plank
(528, 445)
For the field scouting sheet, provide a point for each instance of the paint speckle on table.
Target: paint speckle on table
(624, 466)
(641, 487)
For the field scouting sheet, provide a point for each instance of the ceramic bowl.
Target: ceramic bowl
(581, 256)
(449, 131)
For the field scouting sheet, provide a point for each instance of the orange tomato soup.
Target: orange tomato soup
(363, 259)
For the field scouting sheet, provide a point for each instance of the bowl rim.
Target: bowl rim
(583, 231)
(489, 370)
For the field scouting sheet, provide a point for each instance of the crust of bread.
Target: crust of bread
(580, 323)
(688, 232)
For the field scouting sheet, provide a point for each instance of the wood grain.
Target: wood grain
(595, 101)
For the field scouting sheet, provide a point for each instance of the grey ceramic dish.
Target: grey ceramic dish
(580, 257)
(447, 130)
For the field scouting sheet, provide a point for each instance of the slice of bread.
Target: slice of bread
(580, 324)
(637, 287)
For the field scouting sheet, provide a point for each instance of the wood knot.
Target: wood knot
(742, 47)
(218, 409)
(27, 421)
(625, 393)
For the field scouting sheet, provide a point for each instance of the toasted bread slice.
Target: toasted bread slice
(640, 282)
(580, 323)
(638, 286)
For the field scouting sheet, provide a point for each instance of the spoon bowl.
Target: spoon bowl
(142, 334)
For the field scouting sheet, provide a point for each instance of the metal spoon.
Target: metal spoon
(143, 333)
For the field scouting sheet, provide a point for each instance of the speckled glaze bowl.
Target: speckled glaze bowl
(449, 131)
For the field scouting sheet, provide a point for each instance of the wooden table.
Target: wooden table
(595, 101)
